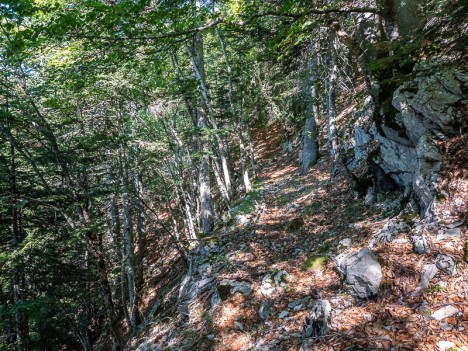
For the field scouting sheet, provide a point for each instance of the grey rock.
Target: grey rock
(283, 314)
(391, 230)
(238, 326)
(215, 298)
(273, 282)
(445, 326)
(292, 305)
(428, 273)
(362, 271)
(419, 244)
(264, 310)
(210, 336)
(446, 264)
(448, 233)
(244, 287)
(444, 345)
(318, 321)
(346, 242)
(444, 312)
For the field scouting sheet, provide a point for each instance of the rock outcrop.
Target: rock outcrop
(404, 146)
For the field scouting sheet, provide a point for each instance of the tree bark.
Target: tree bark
(310, 147)
(128, 243)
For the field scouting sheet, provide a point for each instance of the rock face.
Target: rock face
(362, 272)
(404, 145)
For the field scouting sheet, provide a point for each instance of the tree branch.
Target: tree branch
(214, 23)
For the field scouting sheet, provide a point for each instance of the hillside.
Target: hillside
(233, 175)
(291, 228)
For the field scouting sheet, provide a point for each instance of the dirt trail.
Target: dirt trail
(291, 224)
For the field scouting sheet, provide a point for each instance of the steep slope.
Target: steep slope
(266, 279)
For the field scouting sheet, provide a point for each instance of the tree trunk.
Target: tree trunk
(245, 174)
(128, 243)
(252, 151)
(310, 147)
(198, 68)
(331, 123)
(18, 279)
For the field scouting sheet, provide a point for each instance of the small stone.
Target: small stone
(264, 310)
(295, 335)
(367, 316)
(446, 264)
(444, 312)
(445, 326)
(238, 326)
(346, 242)
(298, 307)
(444, 345)
(210, 337)
(419, 244)
(448, 233)
(459, 202)
(429, 271)
(283, 314)
(295, 303)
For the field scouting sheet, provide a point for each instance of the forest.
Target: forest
(233, 175)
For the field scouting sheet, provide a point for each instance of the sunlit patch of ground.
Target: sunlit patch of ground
(329, 213)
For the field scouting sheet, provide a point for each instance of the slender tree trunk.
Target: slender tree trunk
(219, 181)
(252, 151)
(198, 68)
(245, 174)
(140, 218)
(310, 147)
(94, 241)
(128, 243)
(18, 281)
(331, 122)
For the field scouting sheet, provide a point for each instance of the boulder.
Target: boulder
(362, 272)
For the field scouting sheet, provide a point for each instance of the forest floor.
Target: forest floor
(292, 223)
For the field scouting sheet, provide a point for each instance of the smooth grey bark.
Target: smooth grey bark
(128, 242)
(332, 138)
(219, 182)
(18, 280)
(203, 205)
(198, 68)
(116, 230)
(140, 217)
(310, 145)
(251, 150)
(245, 174)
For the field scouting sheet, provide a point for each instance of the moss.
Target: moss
(245, 205)
(296, 224)
(317, 259)
(408, 217)
(312, 209)
(314, 262)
